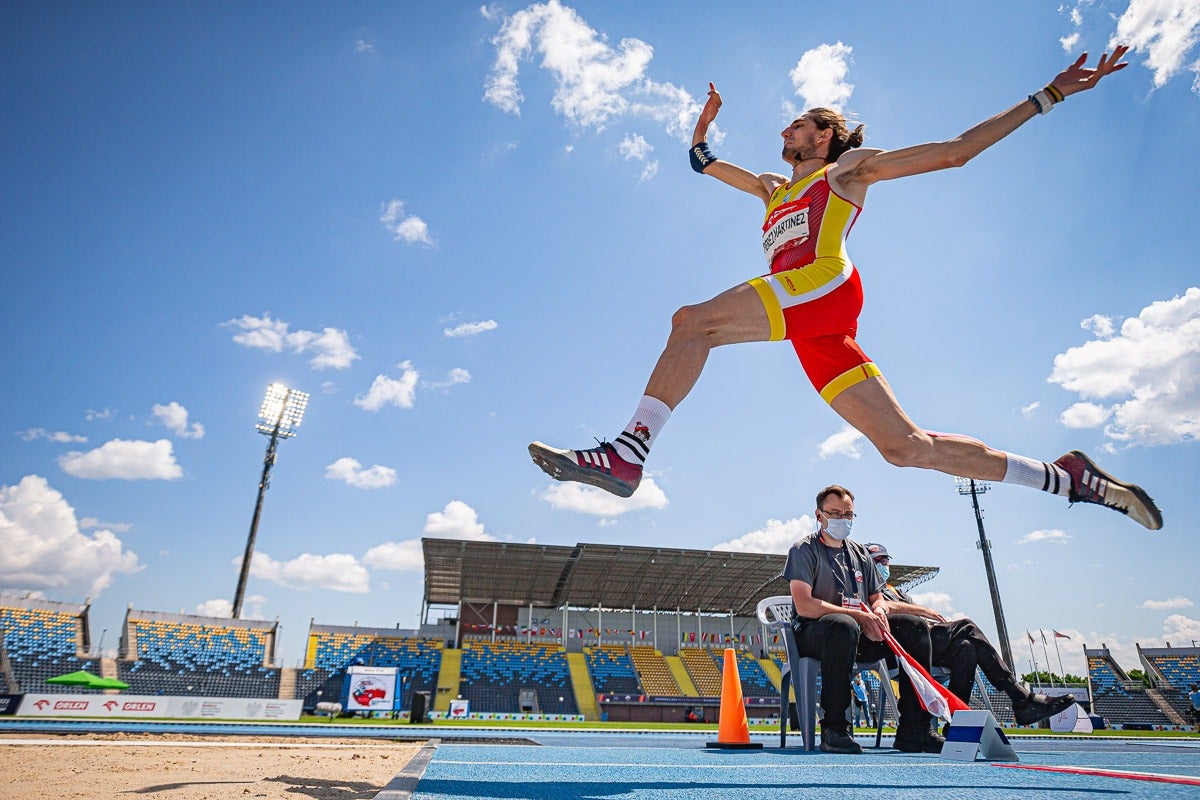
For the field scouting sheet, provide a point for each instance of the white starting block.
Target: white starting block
(976, 733)
(1072, 719)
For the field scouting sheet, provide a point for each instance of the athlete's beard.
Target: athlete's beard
(794, 155)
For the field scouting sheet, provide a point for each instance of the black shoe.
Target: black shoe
(1037, 707)
(835, 741)
(922, 741)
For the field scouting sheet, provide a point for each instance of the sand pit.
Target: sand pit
(178, 767)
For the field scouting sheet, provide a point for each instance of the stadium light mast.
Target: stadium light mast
(975, 488)
(281, 412)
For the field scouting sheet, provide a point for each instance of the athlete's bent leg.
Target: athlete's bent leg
(872, 408)
(736, 315)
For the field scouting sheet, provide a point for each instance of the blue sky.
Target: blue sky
(463, 228)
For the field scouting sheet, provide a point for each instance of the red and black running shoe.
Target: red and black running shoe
(600, 467)
(1090, 484)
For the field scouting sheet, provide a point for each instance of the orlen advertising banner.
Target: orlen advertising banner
(156, 706)
(370, 688)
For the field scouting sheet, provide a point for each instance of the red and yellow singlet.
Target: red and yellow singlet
(812, 294)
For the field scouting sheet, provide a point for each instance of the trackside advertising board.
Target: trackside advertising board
(371, 689)
(156, 706)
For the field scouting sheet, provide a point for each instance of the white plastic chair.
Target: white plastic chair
(800, 674)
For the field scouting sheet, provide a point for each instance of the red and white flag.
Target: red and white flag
(1058, 635)
(935, 698)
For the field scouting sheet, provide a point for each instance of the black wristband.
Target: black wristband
(701, 157)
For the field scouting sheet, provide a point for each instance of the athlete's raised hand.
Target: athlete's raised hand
(1076, 78)
(707, 114)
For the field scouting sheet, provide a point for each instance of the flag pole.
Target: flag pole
(1059, 652)
(1046, 653)
(1037, 681)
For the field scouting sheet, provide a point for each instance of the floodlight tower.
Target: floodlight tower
(280, 415)
(975, 488)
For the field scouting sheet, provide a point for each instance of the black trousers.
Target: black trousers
(837, 641)
(960, 646)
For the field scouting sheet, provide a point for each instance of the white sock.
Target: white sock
(633, 444)
(1037, 475)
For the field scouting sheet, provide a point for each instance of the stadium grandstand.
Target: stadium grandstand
(1122, 700)
(592, 631)
(42, 639)
(180, 654)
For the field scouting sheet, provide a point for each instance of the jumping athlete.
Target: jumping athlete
(812, 297)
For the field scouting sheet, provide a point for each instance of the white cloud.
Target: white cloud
(649, 171)
(350, 471)
(635, 146)
(471, 328)
(124, 460)
(61, 437)
(1050, 535)
(407, 228)
(1075, 14)
(590, 500)
(174, 418)
(405, 556)
(820, 76)
(940, 602)
(1165, 30)
(92, 414)
(773, 537)
(331, 346)
(1175, 602)
(1032, 407)
(337, 572)
(1084, 415)
(1150, 373)
(115, 527)
(252, 607)
(363, 46)
(456, 521)
(846, 442)
(41, 546)
(453, 378)
(1099, 326)
(595, 82)
(386, 391)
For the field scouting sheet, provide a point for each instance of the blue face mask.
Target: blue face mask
(884, 571)
(838, 529)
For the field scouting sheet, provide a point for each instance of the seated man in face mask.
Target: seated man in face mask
(839, 620)
(959, 646)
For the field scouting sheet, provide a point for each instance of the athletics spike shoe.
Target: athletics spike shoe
(599, 466)
(1038, 707)
(1090, 484)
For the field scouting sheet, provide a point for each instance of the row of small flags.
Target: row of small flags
(1057, 635)
(728, 638)
(582, 633)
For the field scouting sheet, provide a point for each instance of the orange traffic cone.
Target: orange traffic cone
(733, 730)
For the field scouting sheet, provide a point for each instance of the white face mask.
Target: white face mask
(838, 529)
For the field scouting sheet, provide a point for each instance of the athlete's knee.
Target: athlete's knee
(693, 322)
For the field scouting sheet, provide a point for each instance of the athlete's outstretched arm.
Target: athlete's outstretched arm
(869, 168)
(732, 174)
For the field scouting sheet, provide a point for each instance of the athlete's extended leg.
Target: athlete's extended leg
(870, 407)
(734, 316)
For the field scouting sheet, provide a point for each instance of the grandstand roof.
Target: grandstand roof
(608, 576)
